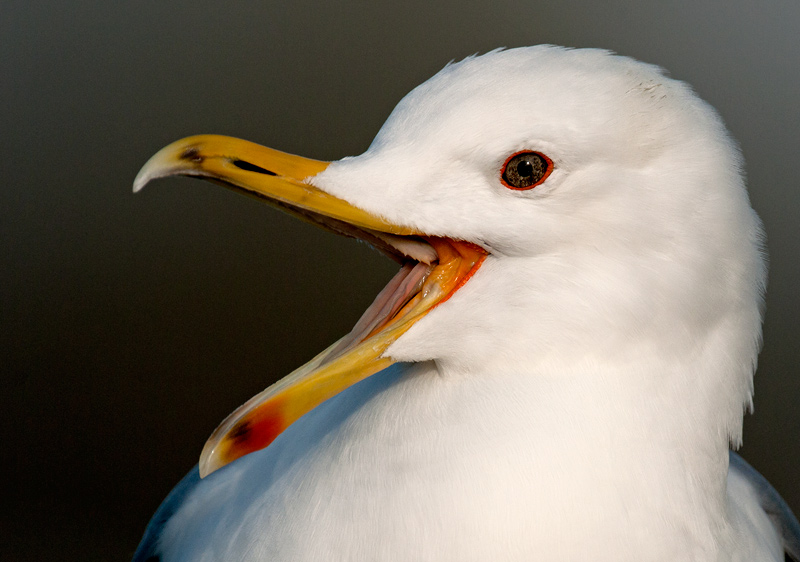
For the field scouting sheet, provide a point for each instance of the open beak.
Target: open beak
(433, 268)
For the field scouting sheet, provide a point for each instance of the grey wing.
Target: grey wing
(148, 547)
(772, 503)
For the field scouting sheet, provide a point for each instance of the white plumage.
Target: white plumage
(576, 398)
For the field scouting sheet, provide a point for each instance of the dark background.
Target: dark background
(131, 325)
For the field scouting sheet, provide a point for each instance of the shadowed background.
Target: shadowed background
(131, 325)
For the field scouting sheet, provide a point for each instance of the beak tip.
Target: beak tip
(160, 165)
(151, 170)
(208, 460)
(140, 181)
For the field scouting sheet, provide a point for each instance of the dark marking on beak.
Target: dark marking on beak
(241, 431)
(192, 154)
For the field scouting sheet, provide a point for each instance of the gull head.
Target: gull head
(557, 212)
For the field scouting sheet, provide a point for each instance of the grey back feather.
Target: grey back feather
(779, 512)
(148, 550)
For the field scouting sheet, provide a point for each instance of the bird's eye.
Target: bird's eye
(526, 170)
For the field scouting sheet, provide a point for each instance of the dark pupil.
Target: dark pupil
(525, 169)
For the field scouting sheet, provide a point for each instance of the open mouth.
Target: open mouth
(432, 270)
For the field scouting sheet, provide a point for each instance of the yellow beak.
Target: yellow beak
(278, 178)
(241, 165)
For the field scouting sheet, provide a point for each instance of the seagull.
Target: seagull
(560, 367)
